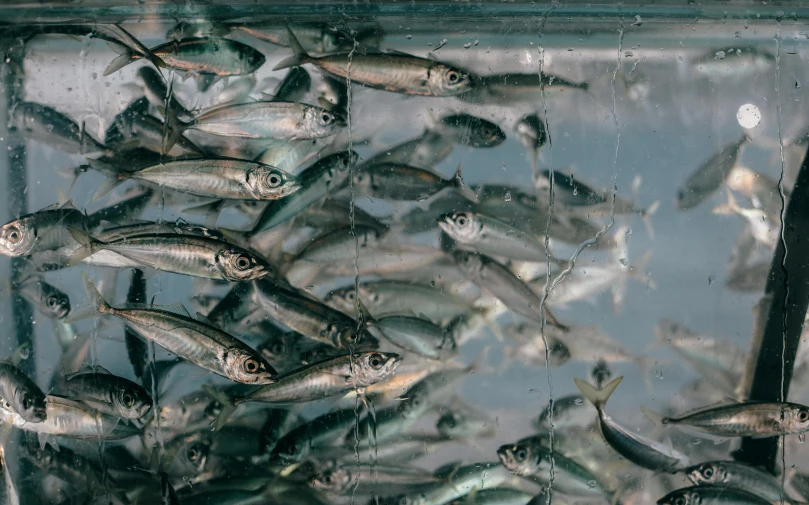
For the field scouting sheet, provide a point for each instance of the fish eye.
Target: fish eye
(462, 220)
(350, 295)
(242, 262)
(251, 366)
(53, 302)
(376, 361)
(14, 235)
(326, 118)
(129, 400)
(278, 348)
(274, 179)
(679, 501)
(803, 416)
(452, 76)
(521, 454)
(193, 453)
(707, 472)
(27, 402)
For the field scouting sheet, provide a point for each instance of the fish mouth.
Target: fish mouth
(144, 409)
(62, 311)
(38, 415)
(505, 453)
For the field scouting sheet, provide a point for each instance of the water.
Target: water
(667, 90)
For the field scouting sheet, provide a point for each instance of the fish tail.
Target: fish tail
(639, 269)
(96, 306)
(646, 216)
(660, 421)
(122, 60)
(731, 207)
(229, 405)
(461, 187)
(299, 54)
(87, 245)
(598, 397)
(114, 177)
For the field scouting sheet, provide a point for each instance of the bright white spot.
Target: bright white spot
(720, 55)
(748, 116)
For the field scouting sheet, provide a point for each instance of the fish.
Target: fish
(718, 495)
(317, 37)
(315, 182)
(395, 72)
(765, 227)
(468, 130)
(377, 480)
(497, 495)
(201, 55)
(531, 348)
(743, 419)
(732, 63)
(511, 88)
(460, 480)
(156, 92)
(489, 235)
(570, 411)
(223, 178)
(640, 450)
(21, 395)
(533, 135)
(465, 422)
(108, 394)
(762, 190)
(135, 128)
(173, 329)
(49, 126)
(737, 475)
(294, 87)
(262, 120)
(502, 284)
(50, 300)
(424, 151)
(298, 443)
(178, 253)
(529, 458)
(710, 176)
(44, 230)
(415, 335)
(393, 181)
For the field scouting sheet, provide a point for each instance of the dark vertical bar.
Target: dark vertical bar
(788, 292)
(136, 348)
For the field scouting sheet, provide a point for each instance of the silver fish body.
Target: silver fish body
(45, 230)
(715, 495)
(109, 394)
(51, 127)
(316, 37)
(328, 378)
(492, 236)
(415, 335)
(321, 431)
(50, 300)
(206, 55)
(204, 345)
(709, 177)
(748, 419)
(473, 131)
(398, 182)
(21, 394)
(381, 480)
(737, 475)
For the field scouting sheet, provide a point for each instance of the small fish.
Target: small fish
(178, 253)
(44, 230)
(424, 151)
(73, 419)
(134, 128)
(319, 432)
(492, 236)
(531, 346)
(459, 481)
(498, 496)
(642, 451)
(399, 72)
(761, 189)
(393, 181)
(317, 37)
(465, 422)
(501, 283)
(200, 343)
(739, 476)
(155, 90)
(467, 130)
(205, 55)
(108, 394)
(415, 335)
(502, 89)
(294, 87)
(52, 128)
(50, 300)
(715, 495)
(216, 178)
(733, 63)
(744, 419)
(529, 458)
(569, 411)
(765, 227)
(20, 394)
(709, 177)
(378, 480)
(263, 120)
(531, 133)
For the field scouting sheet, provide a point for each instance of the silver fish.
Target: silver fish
(737, 475)
(45, 230)
(21, 394)
(531, 348)
(492, 236)
(415, 335)
(716, 495)
(378, 480)
(51, 127)
(764, 226)
(108, 394)
(515, 88)
(497, 496)
(294, 86)
(204, 55)
(461, 480)
(155, 90)
(392, 181)
(183, 254)
(733, 63)
(467, 130)
(399, 73)
(135, 128)
(48, 299)
(197, 342)
(710, 176)
(638, 449)
(317, 37)
(319, 432)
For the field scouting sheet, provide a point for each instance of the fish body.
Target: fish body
(221, 178)
(715, 495)
(415, 335)
(109, 394)
(204, 345)
(709, 177)
(492, 236)
(379, 480)
(45, 230)
(510, 88)
(328, 378)
(765, 227)
(642, 451)
(531, 345)
(733, 63)
(461, 480)
(321, 431)
(316, 37)
(49, 126)
(21, 395)
(155, 91)
(50, 300)
(473, 131)
(739, 476)
(397, 182)
(425, 151)
(398, 73)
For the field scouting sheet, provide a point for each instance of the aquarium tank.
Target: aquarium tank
(404, 252)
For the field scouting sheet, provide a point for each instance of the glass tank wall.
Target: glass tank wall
(403, 252)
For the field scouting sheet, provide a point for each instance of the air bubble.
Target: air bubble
(748, 116)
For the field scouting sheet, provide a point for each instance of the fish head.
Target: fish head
(17, 238)
(372, 367)
(336, 39)
(531, 131)
(797, 419)
(132, 402)
(332, 479)
(252, 59)
(275, 348)
(475, 131)
(196, 454)
(450, 424)
(559, 353)
(688, 496)
(237, 265)
(464, 227)
(30, 405)
(469, 263)
(707, 473)
(323, 122)
(519, 458)
(268, 183)
(444, 80)
(56, 304)
(342, 299)
(345, 336)
(248, 367)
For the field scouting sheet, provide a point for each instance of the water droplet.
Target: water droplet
(710, 280)
(748, 116)
(578, 401)
(638, 21)
(591, 484)
(467, 45)
(802, 437)
(432, 283)
(408, 36)
(623, 261)
(508, 196)
(720, 55)
(696, 441)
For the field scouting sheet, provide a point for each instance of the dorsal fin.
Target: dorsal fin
(202, 319)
